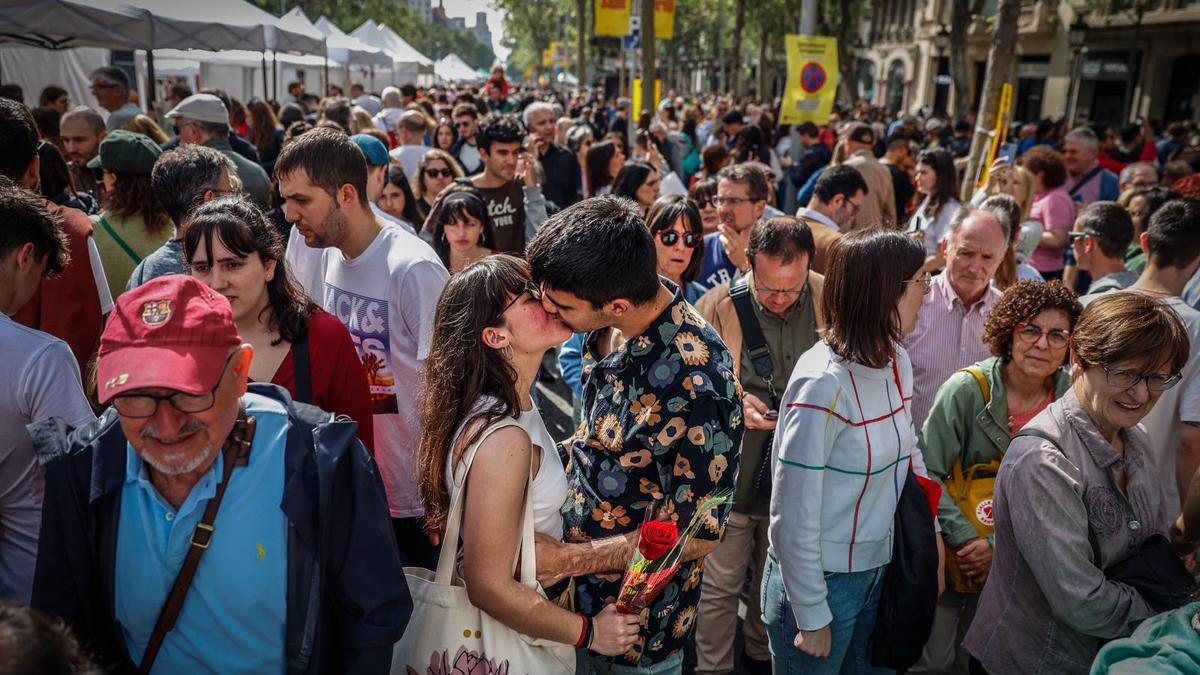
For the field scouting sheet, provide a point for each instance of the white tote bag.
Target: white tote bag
(446, 633)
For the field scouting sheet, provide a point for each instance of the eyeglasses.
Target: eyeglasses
(434, 173)
(1075, 236)
(463, 124)
(1055, 337)
(855, 207)
(142, 406)
(791, 293)
(671, 237)
(704, 203)
(1127, 379)
(926, 280)
(732, 201)
(530, 290)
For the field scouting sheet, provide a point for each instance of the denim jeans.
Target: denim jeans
(592, 664)
(853, 600)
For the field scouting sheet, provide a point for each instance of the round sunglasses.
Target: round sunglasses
(671, 237)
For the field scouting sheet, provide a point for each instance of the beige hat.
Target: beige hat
(201, 108)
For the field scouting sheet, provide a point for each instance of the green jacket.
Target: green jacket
(960, 425)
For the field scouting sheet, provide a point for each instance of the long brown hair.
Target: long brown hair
(263, 125)
(864, 280)
(133, 195)
(460, 369)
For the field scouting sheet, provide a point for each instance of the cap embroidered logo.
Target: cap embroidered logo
(117, 381)
(156, 312)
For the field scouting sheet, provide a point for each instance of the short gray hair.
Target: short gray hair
(535, 108)
(1127, 172)
(182, 176)
(112, 75)
(1084, 136)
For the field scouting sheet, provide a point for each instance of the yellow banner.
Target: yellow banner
(812, 80)
(612, 17)
(664, 19)
(637, 98)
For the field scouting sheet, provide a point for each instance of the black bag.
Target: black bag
(910, 585)
(764, 367)
(1154, 570)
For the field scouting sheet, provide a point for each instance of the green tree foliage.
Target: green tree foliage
(432, 40)
(531, 25)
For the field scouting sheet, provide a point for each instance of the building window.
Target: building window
(866, 80)
(895, 86)
(1031, 86)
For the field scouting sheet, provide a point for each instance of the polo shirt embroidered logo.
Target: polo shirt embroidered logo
(156, 312)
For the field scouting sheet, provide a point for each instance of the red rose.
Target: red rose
(657, 538)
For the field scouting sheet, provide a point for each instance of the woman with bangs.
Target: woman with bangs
(1079, 492)
(678, 232)
(462, 229)
(229, 246)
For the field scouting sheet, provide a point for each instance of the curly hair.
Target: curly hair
(1020, 303)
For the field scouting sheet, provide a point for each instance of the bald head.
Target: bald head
(82, 129)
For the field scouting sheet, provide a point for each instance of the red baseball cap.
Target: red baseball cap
(172, 332)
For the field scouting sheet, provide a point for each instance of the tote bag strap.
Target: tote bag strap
(450, 542)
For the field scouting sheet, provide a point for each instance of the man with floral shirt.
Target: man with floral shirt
(662, 421)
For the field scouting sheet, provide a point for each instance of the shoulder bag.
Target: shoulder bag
(446, 633)
(764, 367)
(973, 491)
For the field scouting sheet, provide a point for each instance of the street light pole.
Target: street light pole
(1076, 36)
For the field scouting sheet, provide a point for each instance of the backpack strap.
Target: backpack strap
(752, 334)
(985, 387)
(120, 242)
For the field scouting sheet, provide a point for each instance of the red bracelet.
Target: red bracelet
(582, 641)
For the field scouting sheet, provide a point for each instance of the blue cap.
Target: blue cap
(373, 148)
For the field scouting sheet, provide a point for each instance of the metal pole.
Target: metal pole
(808, 17)
(266, 96)
(275, 74)
(150, 83)
(327, 72)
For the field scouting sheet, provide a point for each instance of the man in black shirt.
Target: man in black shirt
(900, 159)
(508, 183)
(561, 185)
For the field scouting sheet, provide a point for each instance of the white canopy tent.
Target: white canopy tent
(410, 65)
(451, 68)
(149, 25)
(344, 49)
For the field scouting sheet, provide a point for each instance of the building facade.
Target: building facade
(1137, 58)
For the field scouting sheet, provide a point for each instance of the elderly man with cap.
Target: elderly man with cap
(879, 206)
(202, 119)
(206, 525)
(377, 174)
(132, 224)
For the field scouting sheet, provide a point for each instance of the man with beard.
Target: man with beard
(206, 525)
(383, 284)
(82, 129)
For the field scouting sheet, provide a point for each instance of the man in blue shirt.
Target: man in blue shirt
(741, 201)
(297, 569)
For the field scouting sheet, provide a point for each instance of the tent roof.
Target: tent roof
(151, 24)
(343, 48)
(379, 35)
(454, 69)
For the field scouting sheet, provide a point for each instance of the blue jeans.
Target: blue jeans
(853, 600)
(588, 663)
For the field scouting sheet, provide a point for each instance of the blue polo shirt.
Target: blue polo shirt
(233, 620)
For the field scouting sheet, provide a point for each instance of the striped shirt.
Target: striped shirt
(842, 447)
(948, 336)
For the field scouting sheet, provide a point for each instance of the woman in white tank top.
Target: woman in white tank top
(489, 337)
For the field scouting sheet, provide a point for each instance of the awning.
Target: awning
(382, 37)
(346, 49)
(453, 69)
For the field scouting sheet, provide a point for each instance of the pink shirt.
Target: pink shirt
(948, 337)
(1055, 211)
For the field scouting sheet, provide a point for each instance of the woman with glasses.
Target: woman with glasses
(435, 171)
(975, 415)
(674, 221)
(844, 444)
(1079, 491)
(229, 246)
(489, 336)
(461, 228)
(937, 179)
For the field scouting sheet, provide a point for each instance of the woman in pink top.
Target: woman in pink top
(1052, 207)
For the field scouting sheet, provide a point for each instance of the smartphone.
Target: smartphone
(1008, 153)
(772, 415)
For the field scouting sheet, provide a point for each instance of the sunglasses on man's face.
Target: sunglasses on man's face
(671, 237)
(435, 173)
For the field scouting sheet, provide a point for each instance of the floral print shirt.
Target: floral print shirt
(662, 425)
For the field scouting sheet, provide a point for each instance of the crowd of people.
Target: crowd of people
(263, 357)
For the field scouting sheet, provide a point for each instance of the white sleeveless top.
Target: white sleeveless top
(550, 482)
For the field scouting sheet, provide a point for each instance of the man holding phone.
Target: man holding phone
(767, 318)
(508, 183)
